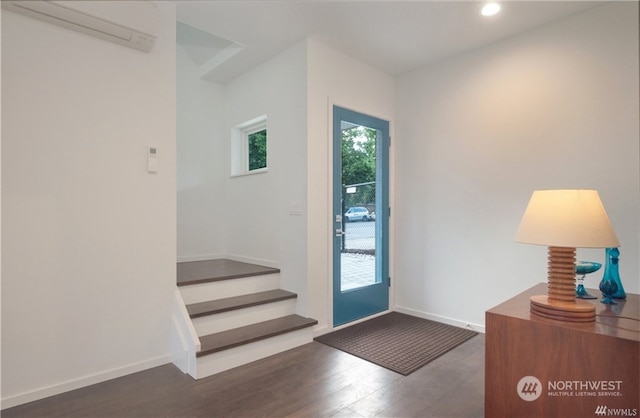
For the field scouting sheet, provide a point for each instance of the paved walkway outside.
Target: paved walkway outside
(357, 270)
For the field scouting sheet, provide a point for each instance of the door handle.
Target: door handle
(339, 231)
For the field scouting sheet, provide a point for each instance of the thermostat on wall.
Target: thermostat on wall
(152, 159)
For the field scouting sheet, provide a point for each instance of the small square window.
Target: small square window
(249, 147)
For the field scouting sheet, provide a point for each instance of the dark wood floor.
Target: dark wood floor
(310, 381)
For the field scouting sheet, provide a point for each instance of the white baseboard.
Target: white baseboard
(321, 331)
(437, 318)
(252, 260)
(199, 257)
(62, 387)
(326, 329)
(235, 257)
(443, 319)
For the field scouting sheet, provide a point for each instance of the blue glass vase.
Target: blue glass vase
(611, 285)
(583, 268)
(608, 287)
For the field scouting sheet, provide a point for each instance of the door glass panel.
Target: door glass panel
(358, 249)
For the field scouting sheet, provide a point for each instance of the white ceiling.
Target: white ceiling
(394, 36)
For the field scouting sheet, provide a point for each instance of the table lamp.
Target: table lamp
(564, 220)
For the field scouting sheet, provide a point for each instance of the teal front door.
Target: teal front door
(360, 215)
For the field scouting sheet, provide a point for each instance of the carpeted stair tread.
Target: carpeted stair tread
(195, 272)
(238, 302)
(251, 333)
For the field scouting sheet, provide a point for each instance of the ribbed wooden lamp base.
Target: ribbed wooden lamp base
(560, 303)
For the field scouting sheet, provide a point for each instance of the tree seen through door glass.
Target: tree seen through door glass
(358, 155)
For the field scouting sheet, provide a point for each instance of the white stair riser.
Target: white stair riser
(228, 359)
(229, 288)
(238, 318)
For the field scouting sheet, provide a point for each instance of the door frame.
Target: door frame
(367, 301)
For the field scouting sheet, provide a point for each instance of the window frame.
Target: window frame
(240, 146)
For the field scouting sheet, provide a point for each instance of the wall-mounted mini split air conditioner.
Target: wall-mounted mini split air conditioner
(68, 15)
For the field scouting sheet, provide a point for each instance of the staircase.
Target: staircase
(228, 313)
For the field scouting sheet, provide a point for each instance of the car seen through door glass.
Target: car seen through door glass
(358, 213)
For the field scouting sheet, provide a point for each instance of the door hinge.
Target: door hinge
(389, 140)
(389, 281)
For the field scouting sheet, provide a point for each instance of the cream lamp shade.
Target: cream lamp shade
(564, 220)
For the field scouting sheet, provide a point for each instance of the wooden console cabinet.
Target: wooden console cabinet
(537, 367)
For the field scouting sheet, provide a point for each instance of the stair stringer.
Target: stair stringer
(184, 338)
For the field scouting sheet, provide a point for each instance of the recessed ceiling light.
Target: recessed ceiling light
(490, 9)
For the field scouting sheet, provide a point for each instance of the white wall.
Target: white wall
(88, 236)
(334, 79)
(258, 221)
(0, 212)
(201, 163)
(556, 107)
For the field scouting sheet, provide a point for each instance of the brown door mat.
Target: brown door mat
(399, 342)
